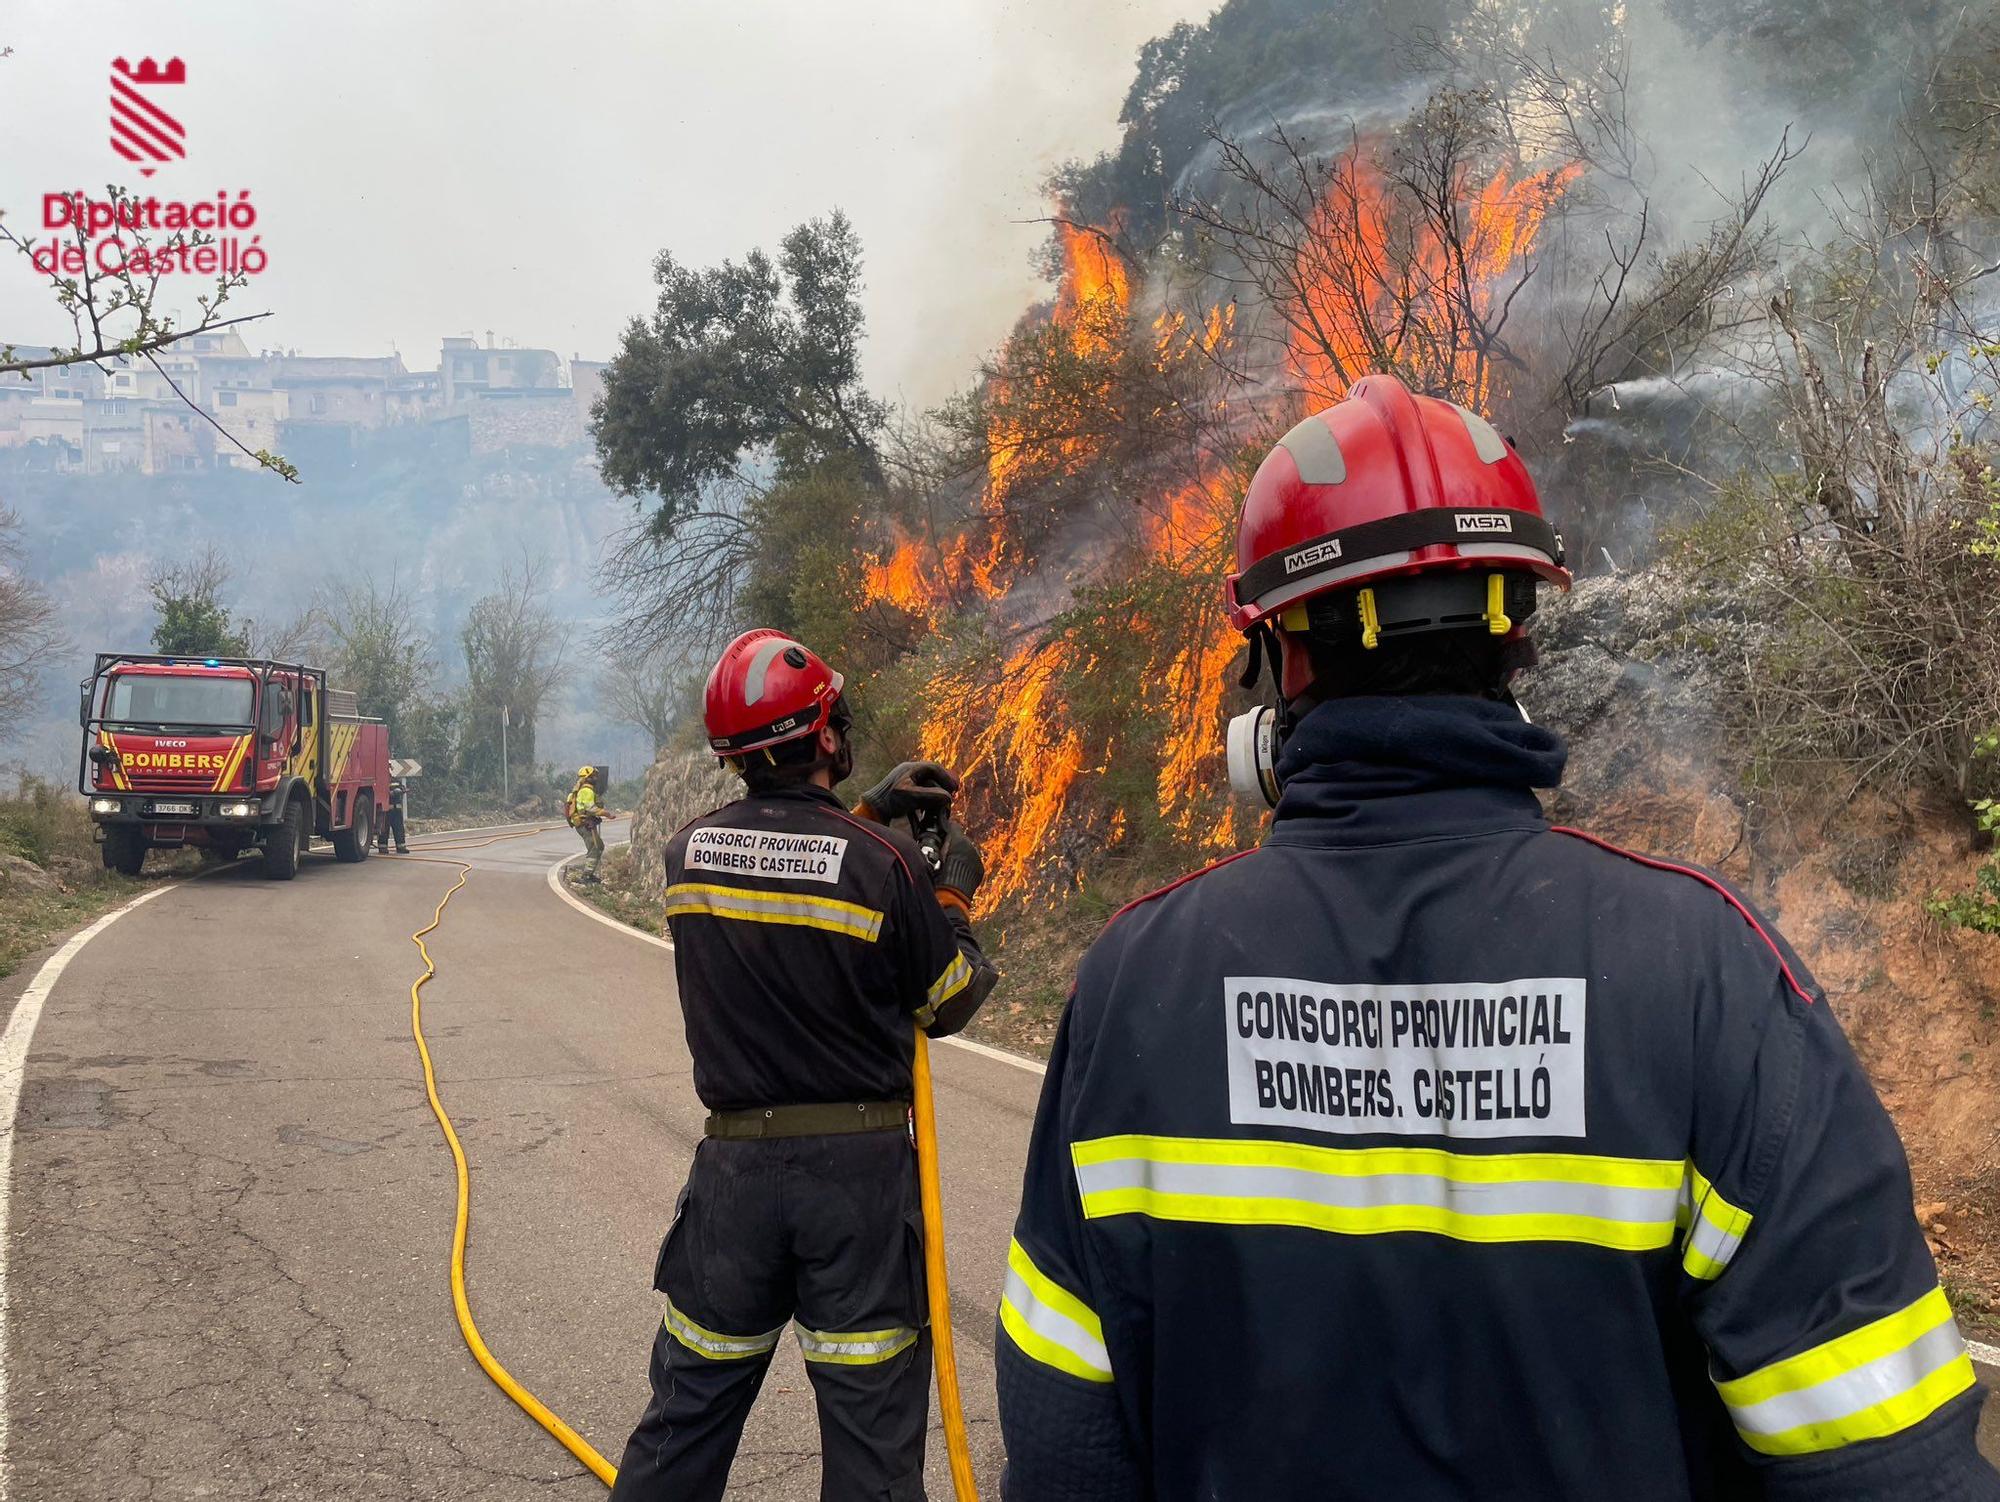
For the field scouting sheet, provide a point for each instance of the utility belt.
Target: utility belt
(819, 1120)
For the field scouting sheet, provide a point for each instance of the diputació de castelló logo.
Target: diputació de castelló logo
(142, 129)
(85, 232)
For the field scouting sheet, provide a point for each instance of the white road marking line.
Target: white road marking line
(1982, 1353)
(439, 834)
(1033, 1066)
(589, 910)
(14, 1045)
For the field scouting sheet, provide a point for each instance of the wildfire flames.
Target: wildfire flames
(1093, 303)
(1375, 291)
(1380, 287)
(1015, 727)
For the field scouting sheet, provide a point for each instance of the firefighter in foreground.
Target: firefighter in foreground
(1428, 1151)
(585, 811)
(807, 942)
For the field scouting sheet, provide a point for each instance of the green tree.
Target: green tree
(28, 632)
(377, 647)
(516, 653)
(193, 621)
(737, 359)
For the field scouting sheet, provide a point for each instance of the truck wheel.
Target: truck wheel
(351, 844)
(286, 844)
(124, 849)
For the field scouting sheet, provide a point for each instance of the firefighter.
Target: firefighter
(808, 945)
(1427, 1150)
(585, 811)
(392, 824)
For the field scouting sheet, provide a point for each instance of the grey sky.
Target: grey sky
(450, 166)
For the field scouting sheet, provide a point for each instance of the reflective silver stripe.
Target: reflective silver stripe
(1715, 1227)
(760, 666)
(715, 1346)
(774, 907)
(1885, 1378)
(1316, 452)
(1047, 1324)
(1501, 550)
(1714, 1243)
(855, 1348)
(1608, 1202)
(1486, 443)
(1306, 584)
(957, 976)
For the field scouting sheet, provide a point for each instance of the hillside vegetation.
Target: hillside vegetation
(1738, 319)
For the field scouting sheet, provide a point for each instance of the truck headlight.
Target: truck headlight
(238, 810)
(105, 806)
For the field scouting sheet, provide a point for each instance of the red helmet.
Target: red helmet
(1385, 484)
(766, 689)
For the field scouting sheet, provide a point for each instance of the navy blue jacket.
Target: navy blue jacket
(1430, 1152)
(806, 941)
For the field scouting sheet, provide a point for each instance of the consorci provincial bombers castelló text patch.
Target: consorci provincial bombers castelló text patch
(1454, 1059)
(767, 852)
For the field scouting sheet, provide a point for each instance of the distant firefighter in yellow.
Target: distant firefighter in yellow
(585, 810)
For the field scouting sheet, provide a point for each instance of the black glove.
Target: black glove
(963, 868)
(913, 787)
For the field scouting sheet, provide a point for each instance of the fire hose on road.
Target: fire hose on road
(949, 1401)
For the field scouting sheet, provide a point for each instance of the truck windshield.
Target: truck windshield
(152, 700)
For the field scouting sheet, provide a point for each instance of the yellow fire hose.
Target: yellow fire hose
(951, 1406)
(533, 1406)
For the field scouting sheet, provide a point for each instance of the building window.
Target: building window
(318, 403)
(227, 398)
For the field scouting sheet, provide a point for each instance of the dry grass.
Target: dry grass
(51, 879)
(621, 893)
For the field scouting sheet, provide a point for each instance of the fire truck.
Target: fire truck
(222, 754)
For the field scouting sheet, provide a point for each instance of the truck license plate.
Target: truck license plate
(174, 808)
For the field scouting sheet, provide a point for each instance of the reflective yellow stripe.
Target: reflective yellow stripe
(231, 763)
(117, 762)
(1715, 1229)
(798, 908)
(1870, 1382)
(714, 1345)
(957, 976)
(1049, 1323)
(855, 1347)
(1627, 1204)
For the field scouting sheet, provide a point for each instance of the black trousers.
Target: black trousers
(824, 1231)
(392, 825)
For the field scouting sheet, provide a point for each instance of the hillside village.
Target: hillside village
(483, 398)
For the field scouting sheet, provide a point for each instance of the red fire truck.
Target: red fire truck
(223, 753)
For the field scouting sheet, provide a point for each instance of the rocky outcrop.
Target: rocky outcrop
(1633, 674)
(679, 785)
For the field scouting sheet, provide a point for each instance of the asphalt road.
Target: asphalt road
(231, 1207)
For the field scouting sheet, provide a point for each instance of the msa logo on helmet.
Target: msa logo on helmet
(1486, 522)
(1319, 552)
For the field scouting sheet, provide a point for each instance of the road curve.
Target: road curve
(232, 1210)
(226, 1272)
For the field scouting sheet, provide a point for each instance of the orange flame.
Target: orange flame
(1382, 287)
(1093, 303)
(901, 580)
(1015, 730)
(1375, 292)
